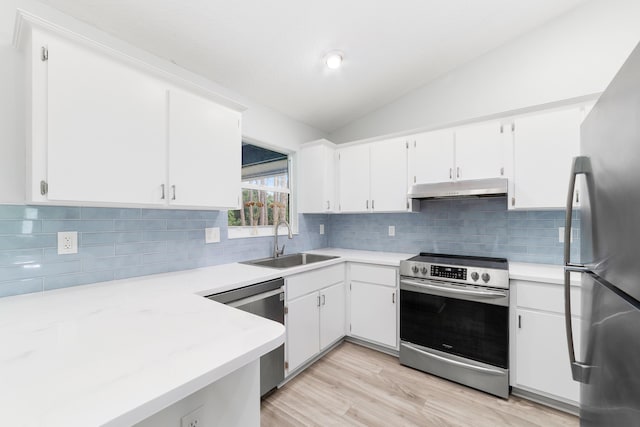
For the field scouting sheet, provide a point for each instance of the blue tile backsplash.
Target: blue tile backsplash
(481, 227)
(117, 243)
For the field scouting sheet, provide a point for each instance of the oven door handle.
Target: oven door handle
(458, 363)
(474, 293)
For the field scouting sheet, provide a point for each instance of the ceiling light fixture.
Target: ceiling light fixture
(334, 60)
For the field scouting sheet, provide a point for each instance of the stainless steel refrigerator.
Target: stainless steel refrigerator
(609, 171)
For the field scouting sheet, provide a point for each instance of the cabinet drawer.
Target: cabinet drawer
(546, 296)
(374, 274)
(304, 283)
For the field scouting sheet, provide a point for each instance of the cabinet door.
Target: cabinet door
(480, 152)
(353, 169)
(332, 314)
(316, 179)
(431, 158)
(389, 176)
(542, 362)
(303, 329)
(373, 313)
(106, 128)
(204, 151)
(544, 145)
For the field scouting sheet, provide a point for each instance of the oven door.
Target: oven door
(467, 321)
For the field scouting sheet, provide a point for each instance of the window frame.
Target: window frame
(243, 232)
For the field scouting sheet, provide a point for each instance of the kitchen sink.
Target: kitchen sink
(287, 261)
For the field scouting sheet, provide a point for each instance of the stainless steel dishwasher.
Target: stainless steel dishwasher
(265, 299)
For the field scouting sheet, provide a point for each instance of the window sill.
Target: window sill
(260, 231)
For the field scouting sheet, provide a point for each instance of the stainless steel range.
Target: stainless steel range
(454, 319)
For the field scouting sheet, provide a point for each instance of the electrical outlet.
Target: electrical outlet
(212, 235)
(321, 228)
(561, 235)
(67, 242)
(193, 418)
(392, 230)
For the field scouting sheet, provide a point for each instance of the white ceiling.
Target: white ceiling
(271, 51)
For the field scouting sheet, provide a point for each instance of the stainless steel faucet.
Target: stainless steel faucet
(276, 251)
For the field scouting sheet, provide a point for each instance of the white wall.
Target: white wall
(260, 123)
(576, 54)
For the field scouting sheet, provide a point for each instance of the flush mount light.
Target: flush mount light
(334, 60)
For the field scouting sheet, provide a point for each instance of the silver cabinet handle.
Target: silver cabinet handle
(318, 300)
(173, 189)
(393, 298)
(328, 205)
(579, 370)
(458, 172)
(367, 204)
(324, 299)
(450, 173)
(162, 194)
(373, 204)
(519, 321)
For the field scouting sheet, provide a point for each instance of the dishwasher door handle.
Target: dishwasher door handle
(255, 298)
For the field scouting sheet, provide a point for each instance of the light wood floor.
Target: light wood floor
(354, 385)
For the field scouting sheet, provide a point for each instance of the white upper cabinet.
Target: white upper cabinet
(472, 152)
(544, 145)
(105, 128)
(389, 176)
(431, 157)
(354, 175)
(480, 152)
(373, 177)
(204, 152)
(316, 178)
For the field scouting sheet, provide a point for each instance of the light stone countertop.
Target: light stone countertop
(544, 273)
(114, 353)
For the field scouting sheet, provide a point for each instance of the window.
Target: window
(265, 192)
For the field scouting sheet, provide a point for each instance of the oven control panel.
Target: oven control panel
(446, 272)
(478, 276)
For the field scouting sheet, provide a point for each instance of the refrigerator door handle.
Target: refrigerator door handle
(579, 370)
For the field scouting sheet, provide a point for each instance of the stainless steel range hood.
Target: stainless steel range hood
(469, 188)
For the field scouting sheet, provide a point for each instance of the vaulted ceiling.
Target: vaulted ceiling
(272, 51)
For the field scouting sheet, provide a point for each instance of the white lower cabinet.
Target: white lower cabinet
(315, 316)
(541, 362)
(373, 304)
(303, 330)
(332, 314)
